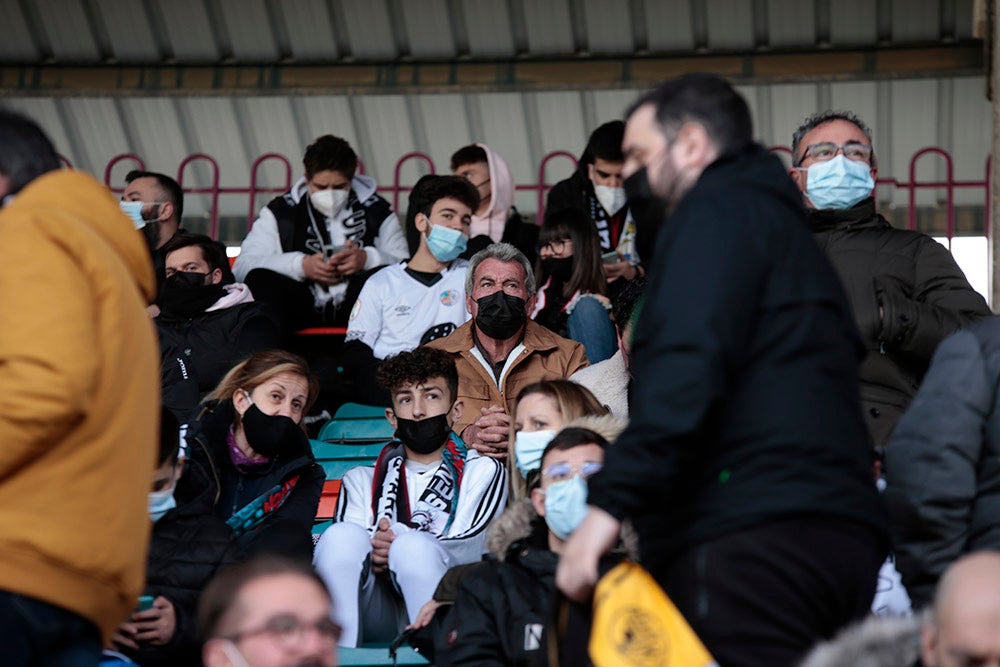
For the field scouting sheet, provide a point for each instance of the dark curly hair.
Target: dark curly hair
(415, 367)
(330, 153)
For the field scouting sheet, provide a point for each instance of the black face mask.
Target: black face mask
(424, 436)
(501, 315)
(647, 210)
(151, 233)
(185, 294)
(270, 435)
(560, 268)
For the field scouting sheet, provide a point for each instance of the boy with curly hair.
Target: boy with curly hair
(423, 508)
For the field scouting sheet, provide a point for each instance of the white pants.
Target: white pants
(370, 607)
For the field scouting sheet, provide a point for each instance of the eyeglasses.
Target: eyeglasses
(555, 246)
(289, 631)
(826, 150)
(560, 472)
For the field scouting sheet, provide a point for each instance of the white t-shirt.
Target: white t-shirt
(396, 312)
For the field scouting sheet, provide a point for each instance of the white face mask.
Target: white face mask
(612, 199)
(329, 202)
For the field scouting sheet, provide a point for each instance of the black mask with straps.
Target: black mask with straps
(501, 315)
(423, 436)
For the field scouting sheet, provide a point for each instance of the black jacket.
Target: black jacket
(187, 547)
(195, 353)
(943, 461)
(922, 293)
(211, 478)
(745, 406)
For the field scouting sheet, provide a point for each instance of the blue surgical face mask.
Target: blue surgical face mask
(161, 502)
(133, 209)
(445, 243)
(838, 183)
(566, 506)
(528, 449)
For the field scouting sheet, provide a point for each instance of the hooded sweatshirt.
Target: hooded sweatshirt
(493, 221)
(78, 399)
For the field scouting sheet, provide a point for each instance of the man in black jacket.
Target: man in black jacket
(745, 466)
(905, 289)
(206, 324)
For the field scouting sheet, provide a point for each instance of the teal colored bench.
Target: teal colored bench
(357, 424)
(358, 657)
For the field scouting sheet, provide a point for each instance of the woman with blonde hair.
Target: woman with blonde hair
(541, 411)
(250, 460)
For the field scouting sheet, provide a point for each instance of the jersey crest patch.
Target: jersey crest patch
(449, 297)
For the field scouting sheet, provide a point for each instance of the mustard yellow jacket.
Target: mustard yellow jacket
(79, 399)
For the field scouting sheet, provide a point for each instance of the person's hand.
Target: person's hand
(155, 626)
(350, 260)
(318, 270)
(490, 433)
(576, 574)
(153, 311)
(124, 637)
(425, 615)
(620, 269)
(381, 541)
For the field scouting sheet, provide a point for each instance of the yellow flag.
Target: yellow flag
(636, 624)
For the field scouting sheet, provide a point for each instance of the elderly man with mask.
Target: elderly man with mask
(906, 291)
(500, 350)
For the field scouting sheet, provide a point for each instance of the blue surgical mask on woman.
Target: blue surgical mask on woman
(445, 243)
(528, 449)
(838, 183)
(161, 502)
(566, 506)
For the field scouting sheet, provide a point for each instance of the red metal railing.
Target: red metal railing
(540, 186)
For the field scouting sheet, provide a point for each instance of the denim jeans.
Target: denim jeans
(37, 634)
(590, 324)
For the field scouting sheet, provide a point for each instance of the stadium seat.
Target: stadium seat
(378, 656)
(356, 424)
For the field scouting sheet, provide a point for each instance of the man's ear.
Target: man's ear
(456, 412)
(928, 645)
(421, 222)
(216, 277)
(469, 301)
(538, 501)
(695, 145)
(166, 211)
(390, 415)
(529, 305)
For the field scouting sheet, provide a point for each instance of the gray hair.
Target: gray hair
(822, 118)
(879, 641)
(502, 252)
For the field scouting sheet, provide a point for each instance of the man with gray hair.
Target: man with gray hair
(905, 289)
(500, 350)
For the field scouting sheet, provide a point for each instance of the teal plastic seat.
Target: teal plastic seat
(358, 425)
(362, 657)
(337, 458)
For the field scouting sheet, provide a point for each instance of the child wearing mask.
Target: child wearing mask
(188, 546)
(504, 606)
(422, 508)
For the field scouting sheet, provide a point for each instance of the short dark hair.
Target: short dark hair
(211, 251)
(822, 118)
(605, 143)
(172, 190)
(25, 151)
(574, 436)
(220, 595)
(415, 367)
(706, 99)
(170, 437)
(330, 153)
(440, 187)
(471, 154)
(624, 303)
(588, 271)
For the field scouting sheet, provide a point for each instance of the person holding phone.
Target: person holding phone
(572, 300)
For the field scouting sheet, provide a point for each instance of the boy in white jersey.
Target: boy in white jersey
(423, 508)
(411, 303)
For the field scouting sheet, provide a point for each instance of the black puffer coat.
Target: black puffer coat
(188, 546)
(907, 294)
(289, 488)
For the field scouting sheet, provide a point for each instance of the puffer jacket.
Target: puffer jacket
(289, 488)
(907, 294)
(188, 546)
(943, 461)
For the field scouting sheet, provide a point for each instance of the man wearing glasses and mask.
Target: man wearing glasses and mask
(905, 289)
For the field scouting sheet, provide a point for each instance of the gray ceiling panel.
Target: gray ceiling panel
(853, 22)
(730, 24)
(369, 28)
(912, 131)
(250, 30)
(916, 20)
(445, 126)
(668, 26)
(609, 27)
(390, 135)
(790, 22)
(129, 30)
(16, 44)
(309, 29)
(65, 23)
(428, 29)
(326, 115)
(189, 31)
(561, 124)
(548, 26)
(487, 23)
